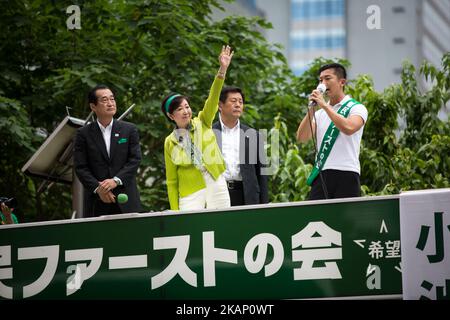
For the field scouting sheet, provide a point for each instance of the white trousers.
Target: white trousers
(214, 196)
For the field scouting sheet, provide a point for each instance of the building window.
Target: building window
(313, 9)
(318, 42)
(399, 40)
(251, 4)
(398, 9)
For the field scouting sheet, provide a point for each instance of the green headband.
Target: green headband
(169, 101)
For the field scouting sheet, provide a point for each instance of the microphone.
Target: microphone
(122, 198)
(322, 88)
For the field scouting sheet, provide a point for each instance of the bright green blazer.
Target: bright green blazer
(182, 177)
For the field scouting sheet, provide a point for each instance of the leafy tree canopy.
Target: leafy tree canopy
(146, 49)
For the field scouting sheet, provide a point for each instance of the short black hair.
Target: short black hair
(339, 70)
(92, 95)
(225, 91)
(174, 104)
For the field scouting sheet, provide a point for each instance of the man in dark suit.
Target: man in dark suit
(243, 151)
(106, 157)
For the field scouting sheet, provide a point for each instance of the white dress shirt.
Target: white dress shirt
(106, 133)
(230, 150)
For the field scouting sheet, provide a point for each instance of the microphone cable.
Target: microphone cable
(314, 135)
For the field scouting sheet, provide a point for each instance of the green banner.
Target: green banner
(312, 249)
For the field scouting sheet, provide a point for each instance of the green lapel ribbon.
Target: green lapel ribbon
(123, 140)
(328, 141)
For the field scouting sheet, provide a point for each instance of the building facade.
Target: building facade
(317, 30)
(376, 36)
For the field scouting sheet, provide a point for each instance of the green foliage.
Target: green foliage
(420, 109)
(143, 50)
(147, 49)
(16, 143)
(288, 182)
(418, 159)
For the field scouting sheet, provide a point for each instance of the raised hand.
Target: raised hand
(225, 57)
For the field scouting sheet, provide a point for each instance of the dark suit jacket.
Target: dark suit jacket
(92, 164)
(251, 162)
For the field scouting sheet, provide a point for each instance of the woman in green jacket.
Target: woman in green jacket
(194, 163)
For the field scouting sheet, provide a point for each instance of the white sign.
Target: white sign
(425, 238)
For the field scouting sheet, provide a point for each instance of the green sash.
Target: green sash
(328, 141)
